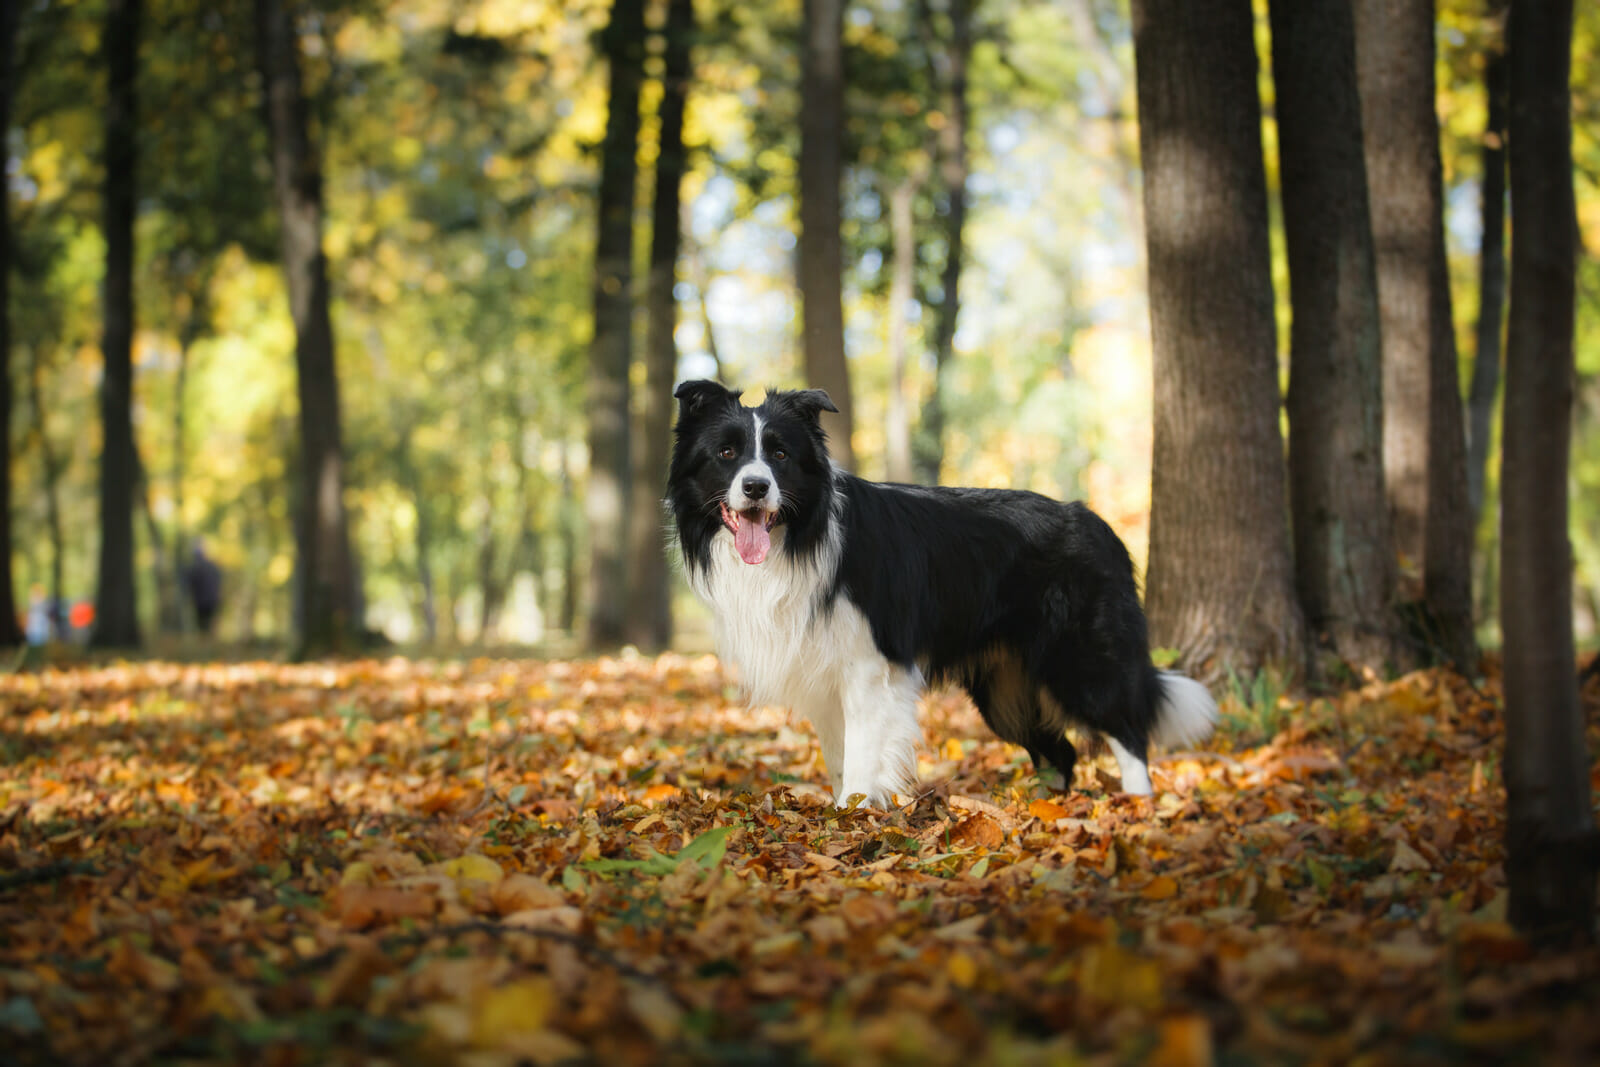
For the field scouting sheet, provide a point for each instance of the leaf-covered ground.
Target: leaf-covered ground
(616, 862)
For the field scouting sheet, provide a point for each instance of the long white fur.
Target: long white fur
(794, 649)
(1187, 715)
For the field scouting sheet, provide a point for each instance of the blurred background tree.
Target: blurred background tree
(994, 305)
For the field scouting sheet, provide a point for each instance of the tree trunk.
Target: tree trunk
(701, 278)
(953, 175)
(821, 262)
(1344, 566)
(1218, 463)
(10, 632)
(902, 223)
(52, 495)
(568, 611)
(180, 540)
(168, 577)
(116, 615)
(1424, 441)
(649, 621)
(1552, 849)
(328, 617)
(611, 352)
(1491, 270)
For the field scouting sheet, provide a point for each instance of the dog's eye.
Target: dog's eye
(728, 453)
(779, 454)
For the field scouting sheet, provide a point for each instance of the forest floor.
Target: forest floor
(615, 862)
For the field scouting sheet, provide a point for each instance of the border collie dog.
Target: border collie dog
(838, 597)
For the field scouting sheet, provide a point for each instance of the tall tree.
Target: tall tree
(611, 351)
(116, 615)
(1491, 264)
(327, 595)
(1218, 470)
(1552, 848)
(821, 263)
(649, 623)
(1424, 441)
(10, 632)
(929, 444)
(1344, 566)
(902, 225)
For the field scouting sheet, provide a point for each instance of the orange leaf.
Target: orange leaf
(1047, 810)
(361, 906)
(661, 792)
(1164, 887)
(979, 831)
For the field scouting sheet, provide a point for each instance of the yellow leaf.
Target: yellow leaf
(521, 1007)
(358, 873)
(1164, 887)
(473, 867)
(963, 970)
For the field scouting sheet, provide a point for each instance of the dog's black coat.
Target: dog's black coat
(1022, 600)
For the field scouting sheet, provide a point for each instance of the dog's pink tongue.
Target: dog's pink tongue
(751, 539)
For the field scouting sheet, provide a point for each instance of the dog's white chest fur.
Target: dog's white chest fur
(772, 624)
(795, 649)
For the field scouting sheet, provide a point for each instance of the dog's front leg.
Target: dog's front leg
(880, 731)
(827, 718)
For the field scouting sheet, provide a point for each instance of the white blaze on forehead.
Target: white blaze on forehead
(756, 468)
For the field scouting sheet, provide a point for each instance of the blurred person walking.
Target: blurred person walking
(202, 581)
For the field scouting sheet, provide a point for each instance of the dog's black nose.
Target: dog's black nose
(756, 488)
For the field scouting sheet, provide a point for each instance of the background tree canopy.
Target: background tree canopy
(460, 154)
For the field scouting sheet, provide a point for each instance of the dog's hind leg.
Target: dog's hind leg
(1134, 766)
(1049, 745)
(1010, 704)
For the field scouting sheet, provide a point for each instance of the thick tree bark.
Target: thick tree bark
(10, 632)
(902, 224)
(1424, 440)
(1491, 270)
(649, 621)
(821, 253)
(116, 614)
(1552, 850)
(1220, 584)
(1344, 566)
(611, 352)
(328, 616)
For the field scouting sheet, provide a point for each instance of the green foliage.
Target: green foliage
(1254, 708)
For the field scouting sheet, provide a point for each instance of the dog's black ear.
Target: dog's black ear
(702, 395)
(809, 402)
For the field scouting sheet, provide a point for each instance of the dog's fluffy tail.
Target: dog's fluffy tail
(1185, 712)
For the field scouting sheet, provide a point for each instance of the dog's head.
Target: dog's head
(747, 470)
